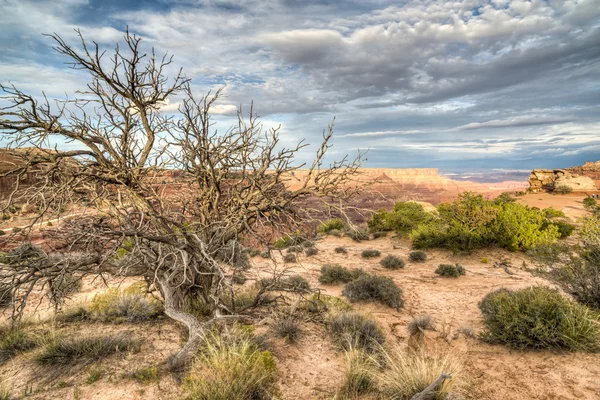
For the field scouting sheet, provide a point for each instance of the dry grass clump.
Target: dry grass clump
(65, 351)
(418, 325)
(129, 305)
(232, 369)
(330, 225)
(295, 249)
(368, 288)
(357, 235)
(537, 318)
(335, 273)
(450, 271)
(341, 250)
(5, 393)
(296, 283)
(144, 375)
(14, 341)
(403, 374)
(417, 256)
(370, 253)
(392, 262)
(287, 327)
(359, 375)
(318, 305)
(352, 330)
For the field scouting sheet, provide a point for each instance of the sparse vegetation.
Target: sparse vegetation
(417, 256)
(357, 235)
(392, 262)
(5, 393)
(352, 330)
(404, 218)
(296, 283)
(14, 341)
(65, 351)
(538, 318)
(335, 273)
(232, 369)
(287, 327)
(377, 235)
(146, 375)
(419, 324)
(553, 213)
(295, 249)
(341, 250)
(311, 251)
(450, 271)
(370, 253)
(368, 288)
(485, 260)
(563, 189)
(359, 373)
(118, 306)
(590, 203)
(330, 225)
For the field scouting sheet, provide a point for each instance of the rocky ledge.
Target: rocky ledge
(550, 179)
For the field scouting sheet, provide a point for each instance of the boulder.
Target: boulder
(548, 179)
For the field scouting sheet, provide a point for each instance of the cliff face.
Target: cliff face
(579, 179)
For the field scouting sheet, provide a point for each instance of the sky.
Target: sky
(457, 85)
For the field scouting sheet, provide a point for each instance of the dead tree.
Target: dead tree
(229, 185)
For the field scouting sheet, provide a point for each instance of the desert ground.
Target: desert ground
(312, 368)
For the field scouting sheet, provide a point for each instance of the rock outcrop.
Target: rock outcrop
(549, 179)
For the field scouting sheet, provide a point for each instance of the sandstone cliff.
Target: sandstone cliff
(579, 179)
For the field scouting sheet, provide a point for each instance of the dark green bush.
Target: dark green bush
(564, 228)
(341, 250)
(335, 273)
(417, 256)
(538, 318)
(404, 217)
(331, 224)
(351, 330)
(377, 235)
(392, 262)
(552, 213)
(450, 271)
(504, 198)
(562, 189)
(368, 288)
(590, 203)
(289, 240)
(296, 282)
(370, 253)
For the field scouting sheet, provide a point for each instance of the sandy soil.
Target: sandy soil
(571, 204)
(313, 369)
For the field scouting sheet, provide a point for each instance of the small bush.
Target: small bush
(450, 271)
(504, 198)
(287, 327)
(377, 235)
(288, 240)
(563, 189)
(590, 203)
(336, 233)
(252, 252)
(296, 283)
(335, 273)
(417, 256)
(357, 235)
(374, 288)
(392, 262)
(418, 325)
(295, 249)
(331, 224)
(370, 253)
(64, 351)
(238, 278)
(405, 217)
(485, 260)
(579, 275)
(341, 250)
(94, 376)
(265, 254)
(74, 314)
(564, 228)
(538, 318)
(321, 304)
(235, 369)
(289, 258)
(145, 375)
(311, 251)
(14, 341)
(552, 213)
(406, 373)
(351, 330)
(2, 233)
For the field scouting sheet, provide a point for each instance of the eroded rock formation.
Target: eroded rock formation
(550, 179)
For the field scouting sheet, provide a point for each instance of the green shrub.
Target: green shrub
(289, 240)
(450, 271)
(265, 254)
(549, 254)
(341, 250)
(404, 217)
(321, 304)
(311, 251)
(63, 351)
(590, 203)
(351, 330)
(14, 341)
(552, 213)
(485, 260)
(520, 228)
(335, 273)
(417, 256)
(370, 253)
(392, 262)
(2, 233)
(115, 305)
(504, 198)
(289, 258)
(296, 283)
(564, 228)
(232, 369)
(287, 327)
(562, 189)
(331, 224)
(538, 318)
(368, 288)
